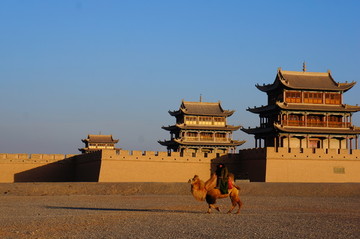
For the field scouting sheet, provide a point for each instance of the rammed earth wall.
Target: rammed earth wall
(257, 165)
(138, 166)
(312, 165)
(36, 168)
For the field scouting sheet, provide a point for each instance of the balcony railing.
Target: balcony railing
(294, 123)
(339, 124)
(316, 124)
(329, 124)
(208, 139)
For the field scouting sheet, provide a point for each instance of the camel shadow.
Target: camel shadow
(124, 209)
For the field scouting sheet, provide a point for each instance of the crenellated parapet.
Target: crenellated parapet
(273, 164)
(33, 158)
(158, 156)
(313, 154)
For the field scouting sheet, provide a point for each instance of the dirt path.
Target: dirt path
(177, 216)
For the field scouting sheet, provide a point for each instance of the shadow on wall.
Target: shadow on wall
(79, 168)
(59, 171)
(253, 169)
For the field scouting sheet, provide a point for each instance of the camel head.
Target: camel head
(194, 179)
(197, 188)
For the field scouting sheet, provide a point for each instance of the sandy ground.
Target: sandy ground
(177, 216)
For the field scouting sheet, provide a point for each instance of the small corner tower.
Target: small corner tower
(98, 142)
(201, 127)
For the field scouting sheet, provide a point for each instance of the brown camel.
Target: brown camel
(207, 191)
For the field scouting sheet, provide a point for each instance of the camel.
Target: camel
(206, 191)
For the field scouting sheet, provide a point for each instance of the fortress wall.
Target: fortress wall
(257, 165)
(33, 158)
(87, 167)
(138, 166)
(157, 156)
(147, 171)
(34, 167)
(252, 164)
(312, 165)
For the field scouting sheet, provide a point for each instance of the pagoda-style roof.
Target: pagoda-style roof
(201, 127)
(92, 138)
(167, 142)
(305, 107)
(303, 80)
(174, 142)
(201, 108)
(231, 143)
(257, 130)
(261, 109)
(318, 130)
(294, 129)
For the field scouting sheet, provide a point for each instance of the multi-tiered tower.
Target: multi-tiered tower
(201, 127)
(305, 110)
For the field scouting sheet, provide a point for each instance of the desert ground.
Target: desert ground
(91, 210)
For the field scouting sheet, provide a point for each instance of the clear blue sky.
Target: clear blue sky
(73, 68)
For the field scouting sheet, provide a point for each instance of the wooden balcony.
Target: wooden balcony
(329, 124)
(207, 139)
(339, 125)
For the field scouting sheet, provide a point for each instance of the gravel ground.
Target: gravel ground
(177, 216)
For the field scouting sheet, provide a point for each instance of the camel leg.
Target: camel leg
(230, 210)
(212, 206)
(235, 200)
(233, 205)
(240, 205)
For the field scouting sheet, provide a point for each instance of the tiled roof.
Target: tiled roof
(100, 139)
(201, 127)
(319, 130)
(206, 143)
(306, 81)
(320, 107)
(305, 107)
(202, 108)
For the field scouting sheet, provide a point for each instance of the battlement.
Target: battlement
(315, 153)
(257, 164)
(158, 156)
(33, 158)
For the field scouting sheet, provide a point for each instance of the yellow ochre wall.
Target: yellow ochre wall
(312, 165)
(257, 165)
(138, 166)
(35, 168)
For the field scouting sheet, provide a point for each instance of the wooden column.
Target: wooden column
(288, 141)
(275, 143)
(327, 120)
(307, 141)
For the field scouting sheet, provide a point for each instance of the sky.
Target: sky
(73, 68)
